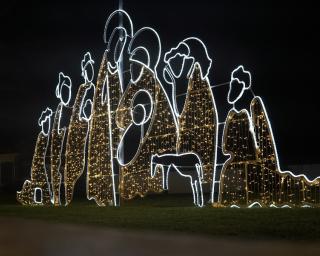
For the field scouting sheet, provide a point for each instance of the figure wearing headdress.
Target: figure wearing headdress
(75, 156)
(104, 137)
(252, 175)
(194, 106)
(144, 108)
(57, 136)
(36, 191)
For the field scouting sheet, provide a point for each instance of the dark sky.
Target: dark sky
(276, 41)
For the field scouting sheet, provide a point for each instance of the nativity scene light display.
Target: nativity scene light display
(165, 130)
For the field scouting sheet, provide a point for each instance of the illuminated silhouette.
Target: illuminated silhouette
(36, 191)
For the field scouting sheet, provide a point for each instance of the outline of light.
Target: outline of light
(84, 115)
(132, 52)
(276, 152)
(255, 204)
(59, 131)
(244, 87)
(166, 181)
(84, 63)
(60, 85)
(145, 117)
(47, 117)
(172, 74)
(184, 42)
(115, 203)
(121, 39)
(109, 19)
(120, 161)
(129, 34)
(35, 195)
(81, 115)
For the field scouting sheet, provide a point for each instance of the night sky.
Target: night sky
(277, 42)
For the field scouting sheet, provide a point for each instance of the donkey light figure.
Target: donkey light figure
(167, 161)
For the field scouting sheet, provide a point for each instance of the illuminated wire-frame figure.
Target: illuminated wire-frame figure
(197, 122)
(36, 191)
(159, 138)
(157, 127)
(252, 175)
(75, 156)
(57, 137)
(104, 137)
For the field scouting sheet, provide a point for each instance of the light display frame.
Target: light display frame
(168, 133)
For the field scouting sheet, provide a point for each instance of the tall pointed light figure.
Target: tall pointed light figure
(77, 132)
(36, 191)
(198, 119)
(57, 136)
(103, 137)
(252, 175)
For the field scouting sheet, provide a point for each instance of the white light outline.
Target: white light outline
(224, 152)
(119, 148)
(59, 132)
(26, 182)
(244, 87)
(184, 42)
(145, 117)
(172, 74)
(255, 204)
(139, 62)
(81, 115)
(116, 60)
(197, 64)
(80, 119)
(133, 35)
(120, 161)
(197, 195)
(168, 69)
(129, 34)
(87, 61)
(62, 82)
(275, 148)
(35, 195)
(105, 99)
(279, 207)
(47, 118)
(132, 52)
(233, 109)
(109, 19)
(143, 121)
(115, 203)
(84, 115)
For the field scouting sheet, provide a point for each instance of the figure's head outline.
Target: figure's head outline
(186, 54)
(234, 79)
(152, 63)
(45, 117)
(85, 62)
(64, 81)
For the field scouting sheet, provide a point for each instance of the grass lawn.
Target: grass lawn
(175, 213)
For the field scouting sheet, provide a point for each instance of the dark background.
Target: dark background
(277, 42)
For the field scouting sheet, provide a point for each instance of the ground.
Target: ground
(160, 222)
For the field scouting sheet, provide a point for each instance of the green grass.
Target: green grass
(175, 213)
